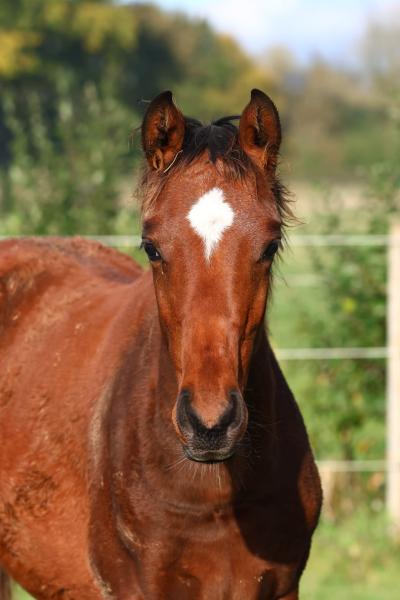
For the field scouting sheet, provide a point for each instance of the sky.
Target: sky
(328, 28)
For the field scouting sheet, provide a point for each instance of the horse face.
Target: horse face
(211, 236)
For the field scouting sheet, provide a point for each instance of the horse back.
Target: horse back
(28, 265)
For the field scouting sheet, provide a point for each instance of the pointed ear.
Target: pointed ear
(163, 130)
(260, 131)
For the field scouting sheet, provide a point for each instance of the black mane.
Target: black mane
(220, 138)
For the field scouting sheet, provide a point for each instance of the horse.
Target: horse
(151, 448)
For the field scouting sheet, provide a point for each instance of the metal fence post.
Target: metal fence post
(393, 382)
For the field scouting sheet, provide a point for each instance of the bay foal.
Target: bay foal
(150, 446)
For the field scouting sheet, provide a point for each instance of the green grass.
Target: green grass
(353, 558)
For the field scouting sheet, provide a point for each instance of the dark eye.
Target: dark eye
(151, 251)
(271, 250)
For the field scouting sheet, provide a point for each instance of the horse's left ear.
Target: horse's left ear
(163, 130)
(260, 131)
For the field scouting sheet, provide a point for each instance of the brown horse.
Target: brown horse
(150, 446)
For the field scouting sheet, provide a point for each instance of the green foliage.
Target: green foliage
(334, 121)
(344, 306)
(46, 41)
(64, 180)
(72, 73)
(340, 123)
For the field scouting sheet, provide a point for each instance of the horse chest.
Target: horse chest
(215, 564)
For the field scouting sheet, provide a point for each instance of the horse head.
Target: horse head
(212, 215)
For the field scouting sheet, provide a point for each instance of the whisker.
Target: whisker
(219, 478)
(176, 463)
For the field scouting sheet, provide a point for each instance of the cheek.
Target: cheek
(170, 314)
(261, 295)
(258, 292)
(256, 302)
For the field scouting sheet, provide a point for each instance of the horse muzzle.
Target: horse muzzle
(211, 442)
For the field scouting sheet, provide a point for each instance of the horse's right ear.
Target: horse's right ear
(163, 130)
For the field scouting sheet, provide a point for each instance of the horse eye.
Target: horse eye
(270, 250)
(151, 251)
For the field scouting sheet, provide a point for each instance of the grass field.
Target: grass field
(354, 558)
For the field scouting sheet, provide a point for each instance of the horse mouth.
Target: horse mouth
(208, 456)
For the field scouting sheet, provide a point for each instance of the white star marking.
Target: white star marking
(210, 216)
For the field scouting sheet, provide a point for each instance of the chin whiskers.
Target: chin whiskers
(177, 464)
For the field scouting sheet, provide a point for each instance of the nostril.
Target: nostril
(185, 415)
(185, 395)
(232, 416)
(235, 397)
(236, 409)
(229, 415)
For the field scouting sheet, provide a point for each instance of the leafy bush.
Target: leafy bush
(66, 178)
(343, 305)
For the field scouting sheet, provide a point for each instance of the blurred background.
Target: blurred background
(73, 78)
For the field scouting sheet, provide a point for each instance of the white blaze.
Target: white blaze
(209, 217)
